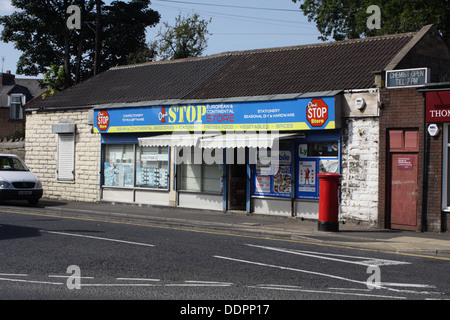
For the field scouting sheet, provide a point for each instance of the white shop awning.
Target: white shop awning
(242, 140)
(171, 140)
(229, 140)
(182, 139)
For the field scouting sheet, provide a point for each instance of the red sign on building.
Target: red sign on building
(103, 120)
(317, 112)
(438, 106)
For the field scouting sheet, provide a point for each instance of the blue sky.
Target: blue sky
(236, 24)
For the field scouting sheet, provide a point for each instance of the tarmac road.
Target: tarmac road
(131, 252)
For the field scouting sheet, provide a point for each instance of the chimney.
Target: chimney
(7, 78)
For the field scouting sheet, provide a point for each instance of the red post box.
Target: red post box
(329, 185)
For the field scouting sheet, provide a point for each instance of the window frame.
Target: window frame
(13, 106)
(181, 169)
(65, 166)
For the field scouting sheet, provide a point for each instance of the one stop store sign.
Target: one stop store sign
(103, 120)
(317, 112)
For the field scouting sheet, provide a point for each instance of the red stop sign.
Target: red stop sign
(317, 112)
(103, 120)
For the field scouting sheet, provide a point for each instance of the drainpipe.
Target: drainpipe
(424, 167)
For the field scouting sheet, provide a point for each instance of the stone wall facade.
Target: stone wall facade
(359, 191)
(41, 146)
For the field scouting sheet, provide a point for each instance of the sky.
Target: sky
(236, 25)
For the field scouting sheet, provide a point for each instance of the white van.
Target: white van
(17, 182)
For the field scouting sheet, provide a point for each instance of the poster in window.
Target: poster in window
(307, 176)
(274, 179)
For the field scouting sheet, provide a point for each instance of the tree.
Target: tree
(347, 19)
(39, 30)
(188, 38)
(53, 80)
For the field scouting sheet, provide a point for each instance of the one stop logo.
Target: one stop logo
(317, 112)
(103, 120)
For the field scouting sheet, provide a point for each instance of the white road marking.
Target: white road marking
(30, 281)
(67, 276)
(14, 274)
(406, 285)
(330, 256)
(98, 238)
(330, 292)
(137, 279)
(297, 270)
(210, 282)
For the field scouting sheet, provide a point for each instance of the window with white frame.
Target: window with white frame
(198, 177)
(16, 101)
(66, 157)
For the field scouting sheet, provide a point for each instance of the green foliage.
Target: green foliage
(39, 30)
(347, 19)
(188, 38)
(53, 80)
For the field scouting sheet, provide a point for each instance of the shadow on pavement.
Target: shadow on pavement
(13, 232)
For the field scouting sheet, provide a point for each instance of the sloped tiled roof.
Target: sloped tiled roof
(300, 69)
(29, 87)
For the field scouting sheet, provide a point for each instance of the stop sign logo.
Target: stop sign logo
(317, 112)
(103, 120)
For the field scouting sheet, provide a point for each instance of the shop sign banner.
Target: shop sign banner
(407, 78)
(438, 106)
(281, 115)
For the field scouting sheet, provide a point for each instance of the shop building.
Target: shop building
(243, 130)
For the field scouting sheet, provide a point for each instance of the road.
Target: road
(54, 257)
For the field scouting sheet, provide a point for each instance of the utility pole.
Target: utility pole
(97, 37)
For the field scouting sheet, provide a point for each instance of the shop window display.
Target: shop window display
(152, 167)
(119, 166)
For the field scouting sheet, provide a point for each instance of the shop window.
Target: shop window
(66, 157)
(118, 166)
(322, 149)
(315, 158)
(152, 165)
(198, 177)
(273, 178)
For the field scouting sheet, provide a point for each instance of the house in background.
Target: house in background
(14, 94)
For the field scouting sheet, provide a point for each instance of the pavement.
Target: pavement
(424, 244)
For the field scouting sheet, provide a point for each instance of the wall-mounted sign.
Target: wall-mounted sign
(438, 106)
(281, 115)
(407, 78)
(405, 163)
(433, 130)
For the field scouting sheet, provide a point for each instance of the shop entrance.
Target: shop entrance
(404, 188)
(237, 177)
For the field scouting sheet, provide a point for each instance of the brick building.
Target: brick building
(410, 180)
(14, 93)
(110, 138)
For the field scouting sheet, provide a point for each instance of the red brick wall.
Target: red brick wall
(8, 126)
(403, 109)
